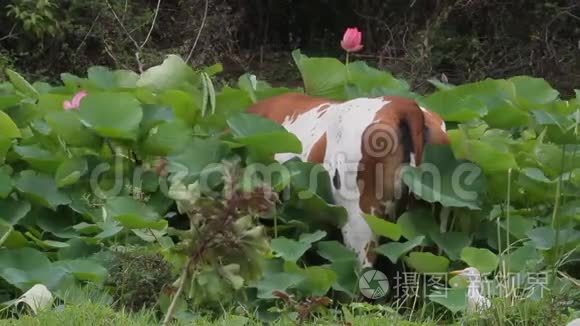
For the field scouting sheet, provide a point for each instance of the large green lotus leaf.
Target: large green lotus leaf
(262, 134)
(39, 158)
(275, 175)
(8, 128)
(25, 113)
(484, 260)
(46, 244)
(497, 187)
(325, 77)
(488, 156)
(44, 87)
(382, 227)
(40, 188)
(394, 250)
(532, 92)
(546, 238)
(184, 105)
(558, 136)
(172, 73)
(77, 248)
(317, 279)
(571, 209)
(109, 229)
(258, 89)
(334, 251)
(68, 126)
(277, 282)
(545, 118)
(59, 222)
(12, 210)
(346, 276)
(125, 78)
(52, 102)
(310, 208)
(494, 100)
(83, 269)
(441, 178)
(70, 171)
(417, 222)
(115, 115)
(134, 214)
(102, 77)
(427, 263)
(518, 226)
(9, 100)
(368, 78)
(452, 243)
(344, 263)
(21, 84)
(6, 184)
(249, 83)
(455, 105)
(506, 114)
(550, 157)
(105, 78)
(536, 185)
(559, 119)
(523, 258)
(167, 138)
(354, 91)
(154, 115)
(265, 93)
(25, 267)
(454, 299)
(5, 144)
(309, 177)
(199, 156)
(229, 102)
(71, 82)
(87, 229)
(290, 249)
(12, 239)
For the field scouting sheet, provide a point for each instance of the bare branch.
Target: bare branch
(199, 31)
(10, 34)
(152, 25)
(122, 25)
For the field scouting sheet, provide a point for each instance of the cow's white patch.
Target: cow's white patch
(344, 125)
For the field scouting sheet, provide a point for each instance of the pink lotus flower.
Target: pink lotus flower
(351, 40)
(75, 102)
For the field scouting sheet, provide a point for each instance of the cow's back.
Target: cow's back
(279, 107)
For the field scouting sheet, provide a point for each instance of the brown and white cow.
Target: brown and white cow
(362, 143)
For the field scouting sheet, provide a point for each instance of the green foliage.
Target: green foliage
(35, 17)
(168, 161)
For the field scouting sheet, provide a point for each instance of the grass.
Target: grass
(97, 312)
(91, 306)
(86, 313)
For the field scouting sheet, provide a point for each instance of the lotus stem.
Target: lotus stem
(173, 303)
